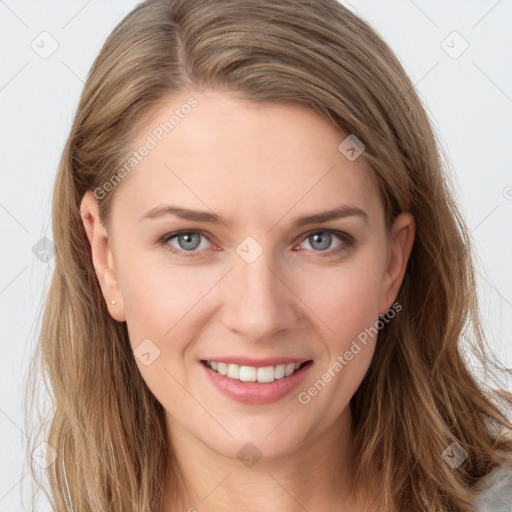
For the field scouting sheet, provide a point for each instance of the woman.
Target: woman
(263, 284)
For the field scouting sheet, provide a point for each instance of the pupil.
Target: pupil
(326, 237)
(188, 237)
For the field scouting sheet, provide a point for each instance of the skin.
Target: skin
(259, 167)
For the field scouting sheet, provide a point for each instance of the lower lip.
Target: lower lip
(256, 392)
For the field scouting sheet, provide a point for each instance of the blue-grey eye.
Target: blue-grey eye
(189, 241)
(321, 240)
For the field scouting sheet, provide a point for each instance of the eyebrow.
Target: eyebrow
(340, 212)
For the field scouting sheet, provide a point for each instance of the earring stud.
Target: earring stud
(113, 302)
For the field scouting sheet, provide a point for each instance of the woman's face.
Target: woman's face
(251, 279)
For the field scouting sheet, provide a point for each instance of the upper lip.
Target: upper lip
(258, 363)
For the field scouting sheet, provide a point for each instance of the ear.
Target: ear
(402, 238)
(102, 258)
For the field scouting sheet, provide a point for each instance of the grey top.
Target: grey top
(494, 491)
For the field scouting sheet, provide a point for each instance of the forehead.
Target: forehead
(244, 159)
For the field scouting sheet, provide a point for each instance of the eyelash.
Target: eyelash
(347, 242)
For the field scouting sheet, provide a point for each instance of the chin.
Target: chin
(260, 438)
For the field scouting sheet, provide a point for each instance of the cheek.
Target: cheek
(347, 299)
(347, 307)
(159, 297)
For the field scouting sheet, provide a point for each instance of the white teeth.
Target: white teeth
(247, 373)
(252, 374)
(279, 371)
(266, 374)
(233, 371)
(290, 368)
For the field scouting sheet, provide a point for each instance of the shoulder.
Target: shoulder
(493, 493)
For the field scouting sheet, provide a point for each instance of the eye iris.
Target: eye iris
(320, 235)
(188, 237)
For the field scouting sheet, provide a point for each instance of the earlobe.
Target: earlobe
(402, 240)
(102, 258)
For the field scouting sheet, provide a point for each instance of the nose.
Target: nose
(259, 302)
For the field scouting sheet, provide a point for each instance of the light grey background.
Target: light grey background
(469, 99)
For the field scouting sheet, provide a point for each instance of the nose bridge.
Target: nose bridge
(259, 304)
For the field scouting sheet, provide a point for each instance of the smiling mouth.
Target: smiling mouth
(262, 375)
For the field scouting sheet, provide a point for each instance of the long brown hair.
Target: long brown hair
(420, 394)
